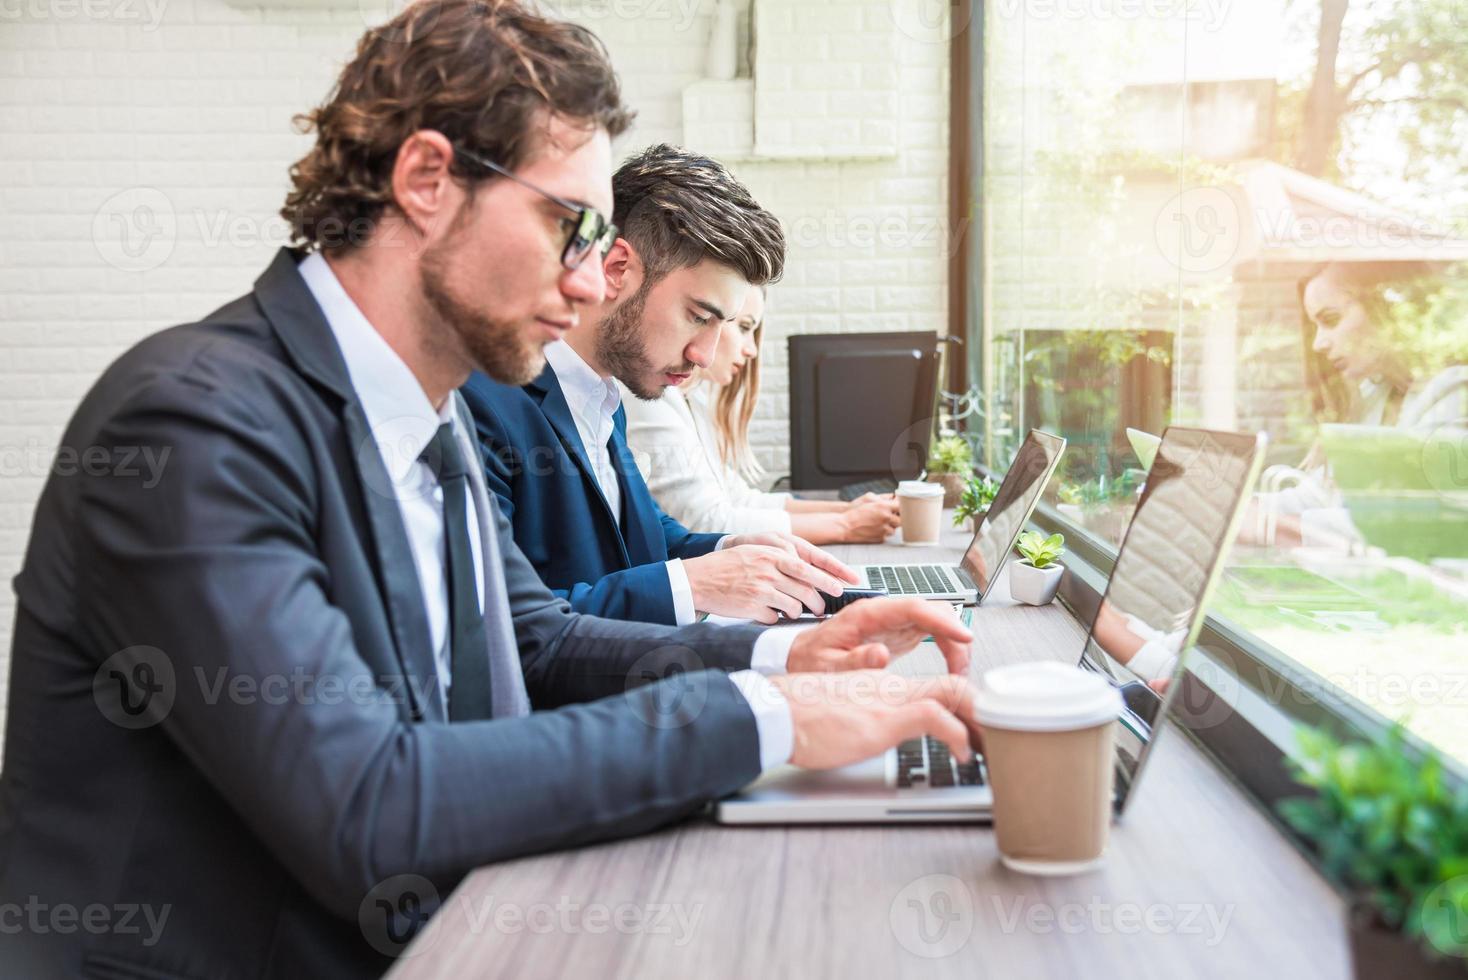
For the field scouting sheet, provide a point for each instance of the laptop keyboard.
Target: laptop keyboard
(912, 579)
(926, 762)
(853, 490)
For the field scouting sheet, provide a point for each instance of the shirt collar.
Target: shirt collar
(588, 393)
(402, 419)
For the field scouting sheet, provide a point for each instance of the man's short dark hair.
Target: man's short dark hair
(678, 208)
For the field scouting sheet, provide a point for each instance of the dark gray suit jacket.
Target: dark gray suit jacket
(223, 720)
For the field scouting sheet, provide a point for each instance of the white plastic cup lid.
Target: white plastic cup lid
(919, 488)
(1045, 697)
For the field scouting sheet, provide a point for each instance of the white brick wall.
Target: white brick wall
(824, 78)
(172, 121)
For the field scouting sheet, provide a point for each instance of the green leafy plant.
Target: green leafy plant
(1037, 550)
(950, 454)
(1390, 829)
(1102, 490)
(977, 495)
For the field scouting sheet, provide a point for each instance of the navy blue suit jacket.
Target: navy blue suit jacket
(536, 464)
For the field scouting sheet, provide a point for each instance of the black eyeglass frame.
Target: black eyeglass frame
(592, 227)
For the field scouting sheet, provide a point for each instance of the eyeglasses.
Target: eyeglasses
(591, 227)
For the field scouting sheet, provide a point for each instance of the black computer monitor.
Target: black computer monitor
(862, 406)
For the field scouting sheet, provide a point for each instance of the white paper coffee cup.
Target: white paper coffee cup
(1049, 746)
(921, 505)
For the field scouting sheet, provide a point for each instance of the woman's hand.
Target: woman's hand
(871, 518)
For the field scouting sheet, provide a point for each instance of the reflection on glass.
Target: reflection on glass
(1153, 605)
(1392, 403)
(1013, 504)
(1183, 230)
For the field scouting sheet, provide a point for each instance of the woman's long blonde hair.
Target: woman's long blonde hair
(734, 407)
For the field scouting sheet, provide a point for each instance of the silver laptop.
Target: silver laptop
(993, 541)
(1186, 518)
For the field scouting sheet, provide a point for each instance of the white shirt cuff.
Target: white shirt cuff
(682, 589)
(1153, 660)
(772, 648)
(723, 541)
(772, 719)
(1157, 656)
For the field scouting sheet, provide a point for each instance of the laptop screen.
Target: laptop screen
(1186, 517)
(1401, 487)
(1012, 507)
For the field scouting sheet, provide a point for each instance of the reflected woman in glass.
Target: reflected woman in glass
(1385, 345)
(1378, 351)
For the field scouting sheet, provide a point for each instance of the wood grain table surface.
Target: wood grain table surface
(1197, 883)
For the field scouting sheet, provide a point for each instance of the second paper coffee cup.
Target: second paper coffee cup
(921, 504)
(1049, 736)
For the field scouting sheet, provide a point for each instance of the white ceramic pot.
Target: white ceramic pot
(1034, 586)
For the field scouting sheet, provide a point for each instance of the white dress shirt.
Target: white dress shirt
(676, 448)
(403, 422)
(594, 401)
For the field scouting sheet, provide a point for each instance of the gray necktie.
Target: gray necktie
(469, 691)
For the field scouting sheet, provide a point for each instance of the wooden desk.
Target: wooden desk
(1197, 884)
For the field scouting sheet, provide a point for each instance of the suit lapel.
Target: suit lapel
(557, 411)
(397, 573)
(303, 331)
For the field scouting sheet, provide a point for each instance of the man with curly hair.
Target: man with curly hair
(269, 707)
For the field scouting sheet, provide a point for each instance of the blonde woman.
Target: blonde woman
(692, 446)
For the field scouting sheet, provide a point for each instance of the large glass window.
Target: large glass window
(1250, 215)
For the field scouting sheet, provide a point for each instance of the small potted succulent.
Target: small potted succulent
(950, 462)
(977, 495)
(1390, 830)
(1035, 578)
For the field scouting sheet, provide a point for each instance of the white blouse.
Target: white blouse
(1442, 400)
(677, 450)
